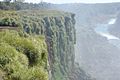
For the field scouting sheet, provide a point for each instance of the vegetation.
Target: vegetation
(58, 29)
(28, 55)
(19, 5)
(22, 58)
(23, 55)
(9, 18)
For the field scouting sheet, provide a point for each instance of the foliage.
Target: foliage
(22, 58)
(19, 0)
(58, 29)
(19, 5)
(8, 18)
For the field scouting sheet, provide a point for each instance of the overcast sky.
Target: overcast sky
(75, 1)
(72, 1)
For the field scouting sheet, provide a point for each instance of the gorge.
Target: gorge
(59, 41)
(97, 55)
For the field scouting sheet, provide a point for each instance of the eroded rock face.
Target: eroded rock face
(60, 36)
(59, 31)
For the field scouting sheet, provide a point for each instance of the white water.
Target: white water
(108, 36)
(103, 29)
(112, 21)
(111, 70)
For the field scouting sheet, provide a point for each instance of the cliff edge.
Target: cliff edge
(58, 32)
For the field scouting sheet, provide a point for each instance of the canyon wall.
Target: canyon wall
(58, 30)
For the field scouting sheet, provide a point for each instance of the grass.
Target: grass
(22, 58)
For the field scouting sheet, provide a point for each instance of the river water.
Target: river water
(102, 29)
(101, 64)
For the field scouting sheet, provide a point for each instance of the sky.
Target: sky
(72, 1)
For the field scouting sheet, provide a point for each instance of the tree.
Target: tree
(14, 0)
(41, 3)
(7, 1)
(19, 0)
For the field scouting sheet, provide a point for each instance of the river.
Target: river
(100, 59)
(102, 29)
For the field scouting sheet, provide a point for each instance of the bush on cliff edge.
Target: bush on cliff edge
(22, 58)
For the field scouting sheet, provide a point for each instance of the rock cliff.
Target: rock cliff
(59, 32)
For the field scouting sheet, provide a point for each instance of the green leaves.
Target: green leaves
(8, 18)
(22, 58)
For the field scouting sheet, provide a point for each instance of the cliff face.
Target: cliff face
(59, 32)
(60, 38)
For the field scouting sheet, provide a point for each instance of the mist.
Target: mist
(97, 49)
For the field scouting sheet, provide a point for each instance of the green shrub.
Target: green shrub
(23, 58)
(9, 18)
